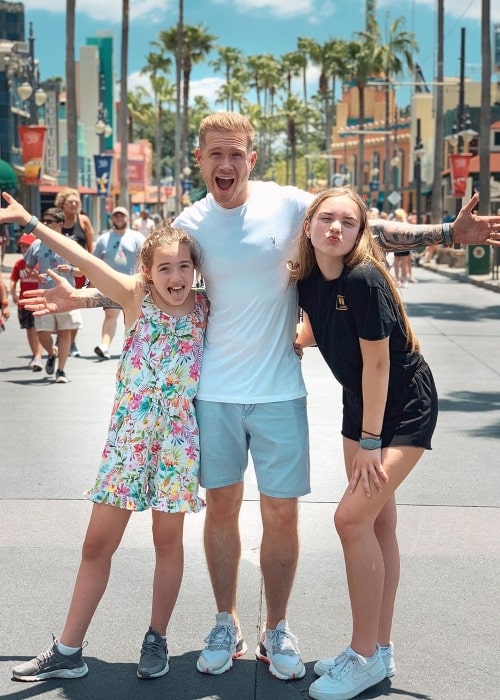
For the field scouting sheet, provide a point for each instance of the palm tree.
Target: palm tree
(365, 58)
(397, 54)
(196, 45)
(333, 60)
(229, 61)
(264, 77)
(71, 115)
(293, 66)
(163, 91)
(437, 203)
(485, 118)
(123, 115)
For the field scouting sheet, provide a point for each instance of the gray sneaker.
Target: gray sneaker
(154, 656)
(279, 648)
(223, 644)
(51, 664)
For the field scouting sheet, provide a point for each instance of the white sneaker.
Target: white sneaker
(323, 665)
(279, 648)
(102, 352)
(223, 644)
(351, 675)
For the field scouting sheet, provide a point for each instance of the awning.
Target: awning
(54, 189)
(8, 177)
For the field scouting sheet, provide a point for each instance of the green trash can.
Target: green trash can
(478, 259)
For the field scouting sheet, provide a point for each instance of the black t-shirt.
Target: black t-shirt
(358, 304)
(76, 233)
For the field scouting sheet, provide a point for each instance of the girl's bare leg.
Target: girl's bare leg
(169, 548)
(104, 533)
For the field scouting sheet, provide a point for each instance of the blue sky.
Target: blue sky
(258, 26)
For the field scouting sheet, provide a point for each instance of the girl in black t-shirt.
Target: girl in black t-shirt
(354, 314)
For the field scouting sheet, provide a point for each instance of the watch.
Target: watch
(370, 443)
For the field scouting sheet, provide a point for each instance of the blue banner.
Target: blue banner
(102, 165)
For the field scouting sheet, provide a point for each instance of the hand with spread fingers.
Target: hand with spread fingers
(473, 229)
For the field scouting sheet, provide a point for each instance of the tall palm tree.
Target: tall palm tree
(163, 91)
(485, 118)
(123, 115)
(437, 203)
(397, 54)
(293, 66)
(71, 114)
(304, 49)
(265, 78)
(228, 61)
(197, 44)
(333, 60)
(365, 61)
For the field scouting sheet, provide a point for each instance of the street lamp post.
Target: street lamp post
(418, 152)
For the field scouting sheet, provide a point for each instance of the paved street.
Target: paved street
(446, 631)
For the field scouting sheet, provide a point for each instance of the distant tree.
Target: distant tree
(71, 114)
(123, 115)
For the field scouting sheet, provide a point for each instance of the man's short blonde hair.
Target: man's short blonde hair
(229, 122)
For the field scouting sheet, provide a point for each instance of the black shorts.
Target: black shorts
(401, 253)
(410, 414)
(26, 318)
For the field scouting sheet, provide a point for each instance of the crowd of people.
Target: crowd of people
(279, 247)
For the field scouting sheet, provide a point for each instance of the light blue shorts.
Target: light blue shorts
(276, 434)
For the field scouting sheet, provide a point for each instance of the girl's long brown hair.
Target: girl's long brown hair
(366, 250)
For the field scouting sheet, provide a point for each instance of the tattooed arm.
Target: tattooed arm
(468, 228)
(398, 235)
(64, 297)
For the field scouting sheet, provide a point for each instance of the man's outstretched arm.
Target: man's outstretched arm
(468, 228)
(64, 297)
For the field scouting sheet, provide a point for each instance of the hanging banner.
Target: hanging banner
(32, 149)
(102, 165)
(459, 172)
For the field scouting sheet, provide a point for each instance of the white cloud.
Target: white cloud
(205, 87)
(311, 9)
(109, 11)
(459, 9)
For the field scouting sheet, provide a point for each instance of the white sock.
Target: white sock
(67, 651)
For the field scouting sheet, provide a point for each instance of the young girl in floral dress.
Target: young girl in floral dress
(151, 456)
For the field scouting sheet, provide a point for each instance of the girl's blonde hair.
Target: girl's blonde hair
(166, 235)
(366, 250)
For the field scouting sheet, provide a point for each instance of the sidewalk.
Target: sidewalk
(460, 274)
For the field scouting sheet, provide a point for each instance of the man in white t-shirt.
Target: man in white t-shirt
(119, 248)
(144, 223)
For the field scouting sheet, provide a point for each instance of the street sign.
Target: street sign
(394, 198)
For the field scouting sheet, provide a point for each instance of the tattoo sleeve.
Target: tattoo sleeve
(395, 235)
(93, 299)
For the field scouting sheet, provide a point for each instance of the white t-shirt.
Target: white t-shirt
(120, 250)
(249, 356)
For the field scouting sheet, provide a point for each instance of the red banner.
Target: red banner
(32, 149)
(459, 171)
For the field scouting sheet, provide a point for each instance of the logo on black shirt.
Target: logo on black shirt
(341, 303)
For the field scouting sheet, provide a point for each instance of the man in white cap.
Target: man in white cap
(119, 248)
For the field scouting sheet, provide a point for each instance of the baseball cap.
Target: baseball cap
(120, 210)
(27, 238)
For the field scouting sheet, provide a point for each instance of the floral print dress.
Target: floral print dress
(151, 457)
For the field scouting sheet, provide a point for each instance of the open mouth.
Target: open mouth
(224, 183)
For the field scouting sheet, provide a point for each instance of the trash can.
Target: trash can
(478, 259)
